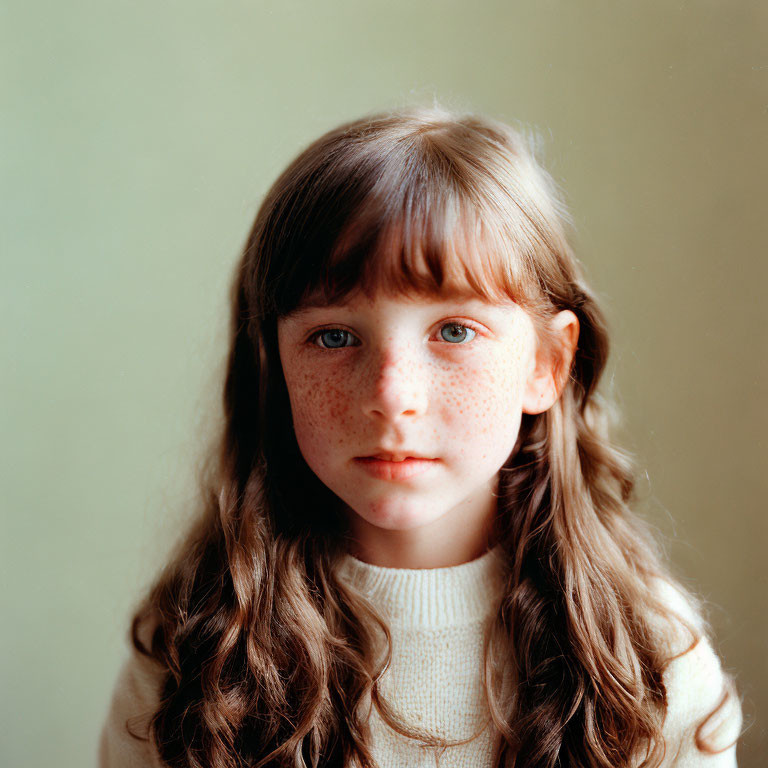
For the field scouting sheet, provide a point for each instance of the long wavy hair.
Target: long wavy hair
(266, 656)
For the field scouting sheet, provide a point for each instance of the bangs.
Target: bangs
(449, 248)
(414, 217)
(443, 249)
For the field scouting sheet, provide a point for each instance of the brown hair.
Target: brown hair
(267, 655)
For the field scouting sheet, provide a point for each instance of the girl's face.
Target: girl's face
(445, 380)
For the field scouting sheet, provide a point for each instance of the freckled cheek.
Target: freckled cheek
(484, 400)
(321, 409)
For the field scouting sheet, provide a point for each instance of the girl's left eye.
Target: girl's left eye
(457, 333)
(338, 338)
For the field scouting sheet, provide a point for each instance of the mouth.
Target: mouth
(395, 467)
(395, 457)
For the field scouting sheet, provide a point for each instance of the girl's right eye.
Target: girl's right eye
(331, 338)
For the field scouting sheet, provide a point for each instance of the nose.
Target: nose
(396, 385)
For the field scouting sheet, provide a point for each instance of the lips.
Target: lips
(401, 467)
(402, 456)
(391, 454)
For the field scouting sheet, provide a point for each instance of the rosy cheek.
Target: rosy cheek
(320, 408)
(485, 397)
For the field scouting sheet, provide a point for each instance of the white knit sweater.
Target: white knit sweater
(437, 618)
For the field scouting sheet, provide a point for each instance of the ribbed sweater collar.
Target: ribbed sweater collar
(429, 598)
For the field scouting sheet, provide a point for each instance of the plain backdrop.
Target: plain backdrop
(137, 141)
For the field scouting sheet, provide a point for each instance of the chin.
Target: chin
(396, 514)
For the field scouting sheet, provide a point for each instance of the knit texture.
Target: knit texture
(437, 619)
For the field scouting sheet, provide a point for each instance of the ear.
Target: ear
(550, 372)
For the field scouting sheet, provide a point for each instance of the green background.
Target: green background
(137, 140)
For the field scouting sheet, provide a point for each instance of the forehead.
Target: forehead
(406, 302)
(413, 273)
(428, 256)
(357, 297)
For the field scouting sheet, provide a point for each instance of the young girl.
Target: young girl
(417, 546)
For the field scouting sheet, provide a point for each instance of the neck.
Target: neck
(450, 540)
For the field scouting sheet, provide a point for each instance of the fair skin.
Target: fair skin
(445, 378)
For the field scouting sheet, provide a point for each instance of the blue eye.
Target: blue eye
(333, 338)
(457, 333)
(338, 338)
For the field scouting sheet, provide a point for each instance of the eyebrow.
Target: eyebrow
(464, 295)
(306, 309)
(453, 298)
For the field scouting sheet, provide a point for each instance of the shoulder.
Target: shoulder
(703, 708)
(135, 698)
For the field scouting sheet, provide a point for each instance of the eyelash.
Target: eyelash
(311, 339)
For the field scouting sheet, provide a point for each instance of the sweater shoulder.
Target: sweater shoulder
(124, 740)
(704, 715)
